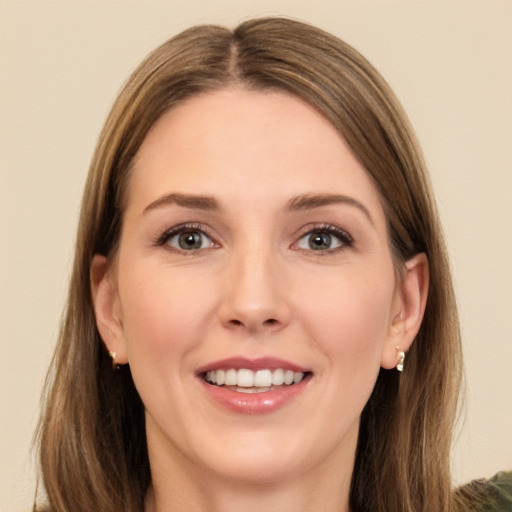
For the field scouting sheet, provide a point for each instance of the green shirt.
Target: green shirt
(501, 489)
(493, 495)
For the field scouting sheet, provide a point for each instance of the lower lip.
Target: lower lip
(255, 403)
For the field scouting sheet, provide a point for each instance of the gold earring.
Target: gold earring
(401, 359)
(113, 356)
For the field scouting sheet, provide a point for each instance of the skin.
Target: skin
(255, 288)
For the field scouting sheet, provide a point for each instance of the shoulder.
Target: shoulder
(500, 487)
(486, 495)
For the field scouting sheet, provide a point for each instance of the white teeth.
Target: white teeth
(252, 390)
(231, 378)
(288, 377)
(247, 381)
(245, 378)
(220, 377)
(278, 377)
(263, 378)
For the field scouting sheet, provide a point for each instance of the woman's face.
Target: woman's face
(254, 250)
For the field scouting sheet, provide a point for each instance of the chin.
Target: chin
(257, 471)
(260, 458)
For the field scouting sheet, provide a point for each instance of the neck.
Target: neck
(181, 485)
(210, 495)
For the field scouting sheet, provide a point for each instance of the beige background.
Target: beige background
(62, 63)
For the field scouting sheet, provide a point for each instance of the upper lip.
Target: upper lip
(260, 363)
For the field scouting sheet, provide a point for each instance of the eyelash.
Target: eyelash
(343, 237)
(182, 228)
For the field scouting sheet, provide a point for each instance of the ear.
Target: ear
(408, 309)
(107, 309)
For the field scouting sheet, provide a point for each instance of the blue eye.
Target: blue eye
(326, 238)
(186, 239)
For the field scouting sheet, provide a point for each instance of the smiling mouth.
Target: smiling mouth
(244, 380)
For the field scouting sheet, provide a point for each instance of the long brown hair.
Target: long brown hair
(93, 451)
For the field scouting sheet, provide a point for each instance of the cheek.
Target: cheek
(165, 317)
(162, 314)
(348, 318)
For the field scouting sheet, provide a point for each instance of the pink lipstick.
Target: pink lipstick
(253, 386)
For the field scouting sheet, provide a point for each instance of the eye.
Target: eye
(190, 240)
(326, 238)
(186, 238)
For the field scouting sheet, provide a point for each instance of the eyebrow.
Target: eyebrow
(302, 202)
(311, 201)
(186, 201)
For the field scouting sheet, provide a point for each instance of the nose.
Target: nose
(255, 298)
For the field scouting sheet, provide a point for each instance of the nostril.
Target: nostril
(268, 322)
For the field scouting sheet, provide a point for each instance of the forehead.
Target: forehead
(236, 143)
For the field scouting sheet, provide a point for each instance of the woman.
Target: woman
(258, 251)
